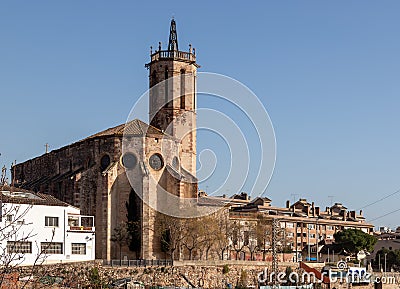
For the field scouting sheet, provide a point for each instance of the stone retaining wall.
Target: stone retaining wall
(211, 276)
(78, 275)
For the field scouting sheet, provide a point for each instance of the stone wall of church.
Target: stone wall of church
(73, 174)
(77, 174)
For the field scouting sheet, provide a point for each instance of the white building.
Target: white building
(37, 228)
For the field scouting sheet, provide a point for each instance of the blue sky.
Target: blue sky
(327, 72)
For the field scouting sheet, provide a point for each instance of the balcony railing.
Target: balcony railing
(80, 228)
(176, 55)
(80, 223)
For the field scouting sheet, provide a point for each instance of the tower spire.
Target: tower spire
(173, 37)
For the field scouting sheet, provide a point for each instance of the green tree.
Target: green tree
(95, 280)
(354, 240)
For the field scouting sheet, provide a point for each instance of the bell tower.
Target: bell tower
(172, 98)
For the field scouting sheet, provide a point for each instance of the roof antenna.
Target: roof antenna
(294, 197)
(331, 198)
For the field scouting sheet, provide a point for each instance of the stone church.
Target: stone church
(129, 172)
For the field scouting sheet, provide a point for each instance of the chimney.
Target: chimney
(361, 212)
(344, 215)
(328, 210)
(313, 209)
(307, 210)
(287, 204)
(317, 211)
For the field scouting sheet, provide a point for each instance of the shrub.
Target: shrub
(225, 269)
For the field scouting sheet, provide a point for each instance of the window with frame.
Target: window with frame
(51, 221)
(19, 247)
(51, 248)
(10, 218)
(78, 248)
(289, 225)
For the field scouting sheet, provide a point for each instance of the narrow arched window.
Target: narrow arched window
(153, 78)
(194, 92)
(166, 86)
(182, 96)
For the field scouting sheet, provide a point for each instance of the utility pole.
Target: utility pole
(275, 224)
(308, 237)
(379, 262)
(317, 239)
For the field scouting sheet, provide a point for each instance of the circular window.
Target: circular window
(105, 162)
(129, 160)
(156, 162)
(175, 162)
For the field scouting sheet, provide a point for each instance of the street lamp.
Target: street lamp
(385, 262)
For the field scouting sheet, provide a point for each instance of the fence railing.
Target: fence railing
(137, 263)
(173, 54)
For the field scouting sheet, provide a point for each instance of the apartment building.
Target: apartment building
(302, 225)
(37, 228)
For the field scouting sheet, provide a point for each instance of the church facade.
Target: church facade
(122, 174)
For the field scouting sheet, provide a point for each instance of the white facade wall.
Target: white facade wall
(23, 222)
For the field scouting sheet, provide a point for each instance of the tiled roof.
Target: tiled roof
(20, 196)
(212, 201)
(135, 127)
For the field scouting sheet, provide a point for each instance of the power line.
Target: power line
(384, 215)
(379, 200)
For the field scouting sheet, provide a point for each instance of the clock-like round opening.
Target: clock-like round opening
(129, 160)
(156, 162)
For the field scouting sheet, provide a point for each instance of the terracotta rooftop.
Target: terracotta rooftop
(20, 196)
